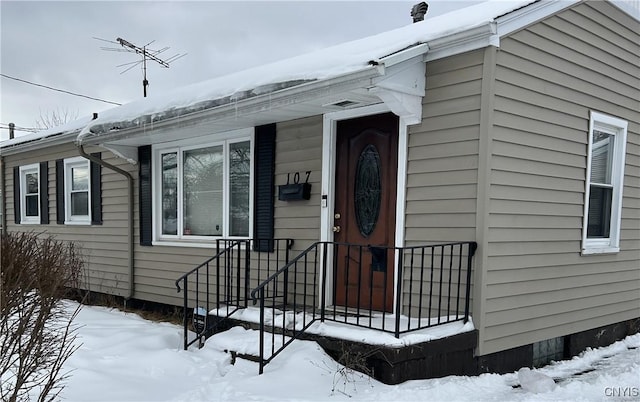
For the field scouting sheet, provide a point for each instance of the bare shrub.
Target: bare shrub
(55, 118)
(36, 332)
(351, 368)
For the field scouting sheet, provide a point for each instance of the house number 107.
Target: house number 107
(296, 177)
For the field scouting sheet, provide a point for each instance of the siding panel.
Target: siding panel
(549, 76)
(443, 158)
(103, 246)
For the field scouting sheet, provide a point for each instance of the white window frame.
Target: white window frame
(618, 129)
(69, 164)
(24, 170)
(223, 139)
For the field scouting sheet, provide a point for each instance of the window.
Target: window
(30, 191)
(603, 193)
(77, 184)
(204, 190)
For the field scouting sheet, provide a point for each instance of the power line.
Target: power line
(4, 126)
(59, 90)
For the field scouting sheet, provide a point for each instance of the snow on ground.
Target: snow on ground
(126, 358)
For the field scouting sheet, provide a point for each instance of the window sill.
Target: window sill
(176, 243)
(23, 222)
(600, 250)
(192, 243)
(78, 223)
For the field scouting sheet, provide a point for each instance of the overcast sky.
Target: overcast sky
(52, 43)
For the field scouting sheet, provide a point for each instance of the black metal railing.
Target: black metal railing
(218, 287)
(433, 287)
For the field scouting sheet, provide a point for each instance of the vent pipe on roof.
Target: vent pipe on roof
(418, 11)
(12, 131)
(95, 116)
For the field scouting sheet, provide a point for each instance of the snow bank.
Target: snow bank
(126, 358)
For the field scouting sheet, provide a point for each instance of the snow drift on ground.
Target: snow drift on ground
(126, 358)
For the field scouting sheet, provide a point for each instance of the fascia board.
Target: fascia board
(405, 55)
(460, 42)
(519, 19)
(489, 34)
(39, 143)
(245, 107)
(631, 8)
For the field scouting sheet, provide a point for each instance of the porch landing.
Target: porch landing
(439, 351)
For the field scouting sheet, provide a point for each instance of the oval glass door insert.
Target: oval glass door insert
(368, 190)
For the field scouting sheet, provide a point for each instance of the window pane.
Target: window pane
(599, 222)
(170, 193)
(80, 203)
(32, 183)
(31, 202)
(202, 183)
(80, 178)
(601, 159)
(367, 195)
(239, 175)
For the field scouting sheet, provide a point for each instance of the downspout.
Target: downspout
(129, 210)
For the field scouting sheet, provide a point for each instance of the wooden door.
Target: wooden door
(365, 211)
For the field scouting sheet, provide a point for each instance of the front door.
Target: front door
(365, 211)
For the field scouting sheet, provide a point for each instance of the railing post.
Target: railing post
(472, 250)
(440, 282)
(185, 321)
(261, 331)
(247, 271)
(217, 283)
(208, 285)
(323, 288)
(398, 292)
(285, 289)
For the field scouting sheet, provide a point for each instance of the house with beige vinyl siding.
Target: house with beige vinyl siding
(480, 167)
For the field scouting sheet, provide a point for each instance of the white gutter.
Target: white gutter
(38, 143)
(534, 12)
(241, 108)
(465, 41)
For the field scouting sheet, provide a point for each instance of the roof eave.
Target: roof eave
(471, 39)
(530, 14)
(244, 107)
(490, 33)
(52, 140)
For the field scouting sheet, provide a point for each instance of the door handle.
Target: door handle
(337, 229)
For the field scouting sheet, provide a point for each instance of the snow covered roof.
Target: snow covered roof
(66, 131)
(334, 62)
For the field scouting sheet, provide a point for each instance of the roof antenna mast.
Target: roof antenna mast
(146, 53)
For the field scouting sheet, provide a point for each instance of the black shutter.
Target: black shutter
(264, 186)
(145, 194)
(44, 192)
(60, 191)
(96, 191)
(16, 194)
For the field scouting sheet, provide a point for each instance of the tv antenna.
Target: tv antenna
(145, 52)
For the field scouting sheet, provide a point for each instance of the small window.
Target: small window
(77, 184)
(204, 190)
(30, 191)
(603, 193)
